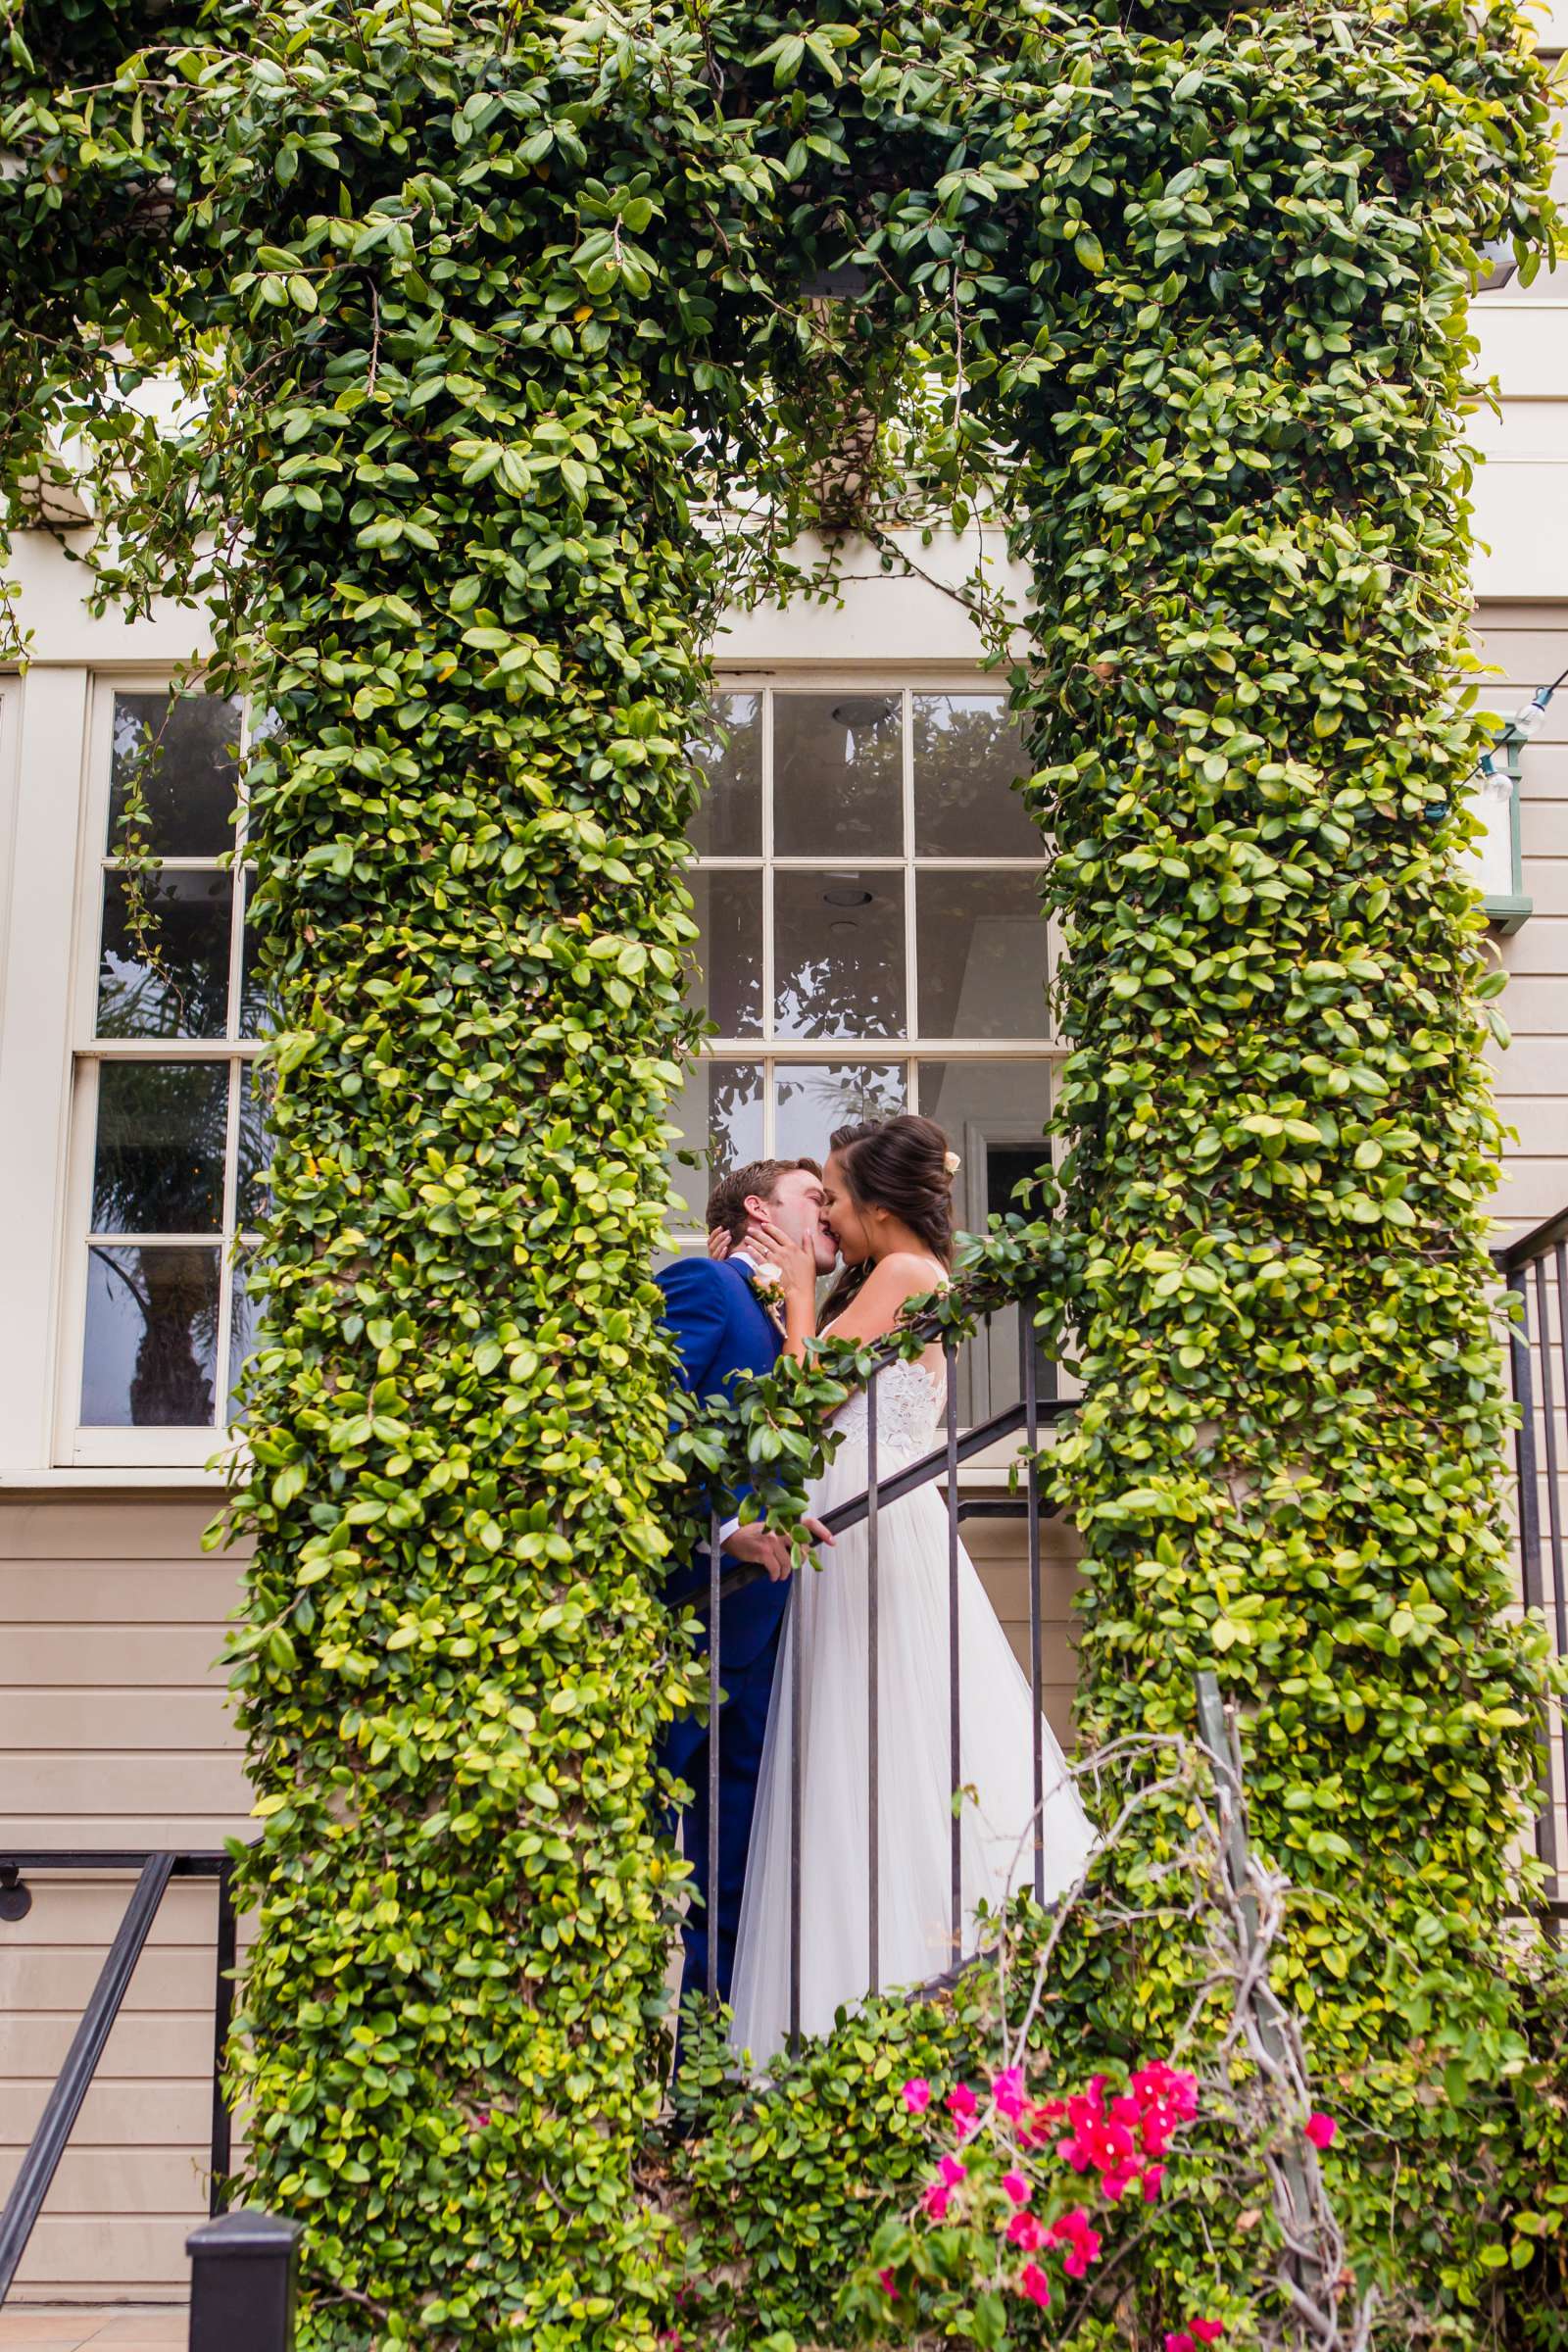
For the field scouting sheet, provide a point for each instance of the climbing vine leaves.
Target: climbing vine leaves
(506, 361)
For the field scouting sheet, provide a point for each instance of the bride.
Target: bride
(888, 1204)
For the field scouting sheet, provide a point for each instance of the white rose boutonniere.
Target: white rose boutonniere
(767, 1280)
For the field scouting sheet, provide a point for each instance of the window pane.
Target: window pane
(728, 981)
(182, 753)
(719, 1113)
(993, 1114)
(967, 753)
(980, 946)
(729, 822)
(255, 1017)
(816, 1098)
(255, 1143)
(838, 775)
(158, 1162)
(152, 1339)
(243, 1317)
(838, 955)
(173, 980)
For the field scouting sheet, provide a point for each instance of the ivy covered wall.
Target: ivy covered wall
(477, 302)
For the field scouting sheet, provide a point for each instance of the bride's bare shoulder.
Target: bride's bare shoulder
(907, 1273)
(878, 1305)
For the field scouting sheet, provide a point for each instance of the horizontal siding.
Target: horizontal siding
(113, 1733)
(1528, 645)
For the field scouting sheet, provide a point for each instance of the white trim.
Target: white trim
(35, 1041)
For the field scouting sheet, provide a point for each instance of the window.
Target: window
(866, 885)
(168, 1135)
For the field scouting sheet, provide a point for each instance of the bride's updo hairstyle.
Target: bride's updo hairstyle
(900, 1164)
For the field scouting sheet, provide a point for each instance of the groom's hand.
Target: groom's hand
(765, 1548)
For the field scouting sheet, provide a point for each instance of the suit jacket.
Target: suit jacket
(723, 1333)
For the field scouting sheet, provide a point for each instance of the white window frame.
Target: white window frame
(79, 1445)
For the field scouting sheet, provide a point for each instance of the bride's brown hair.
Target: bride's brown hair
(900, 1164)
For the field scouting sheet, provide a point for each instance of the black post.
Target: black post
(242, 2268)
(223, 2014)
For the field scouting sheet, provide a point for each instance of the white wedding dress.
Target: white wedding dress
(828, 1620)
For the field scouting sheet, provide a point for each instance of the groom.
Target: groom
(725, 1332)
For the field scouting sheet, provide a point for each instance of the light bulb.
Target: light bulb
(1533, 717)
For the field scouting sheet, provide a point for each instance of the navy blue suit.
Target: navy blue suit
(723, 1333)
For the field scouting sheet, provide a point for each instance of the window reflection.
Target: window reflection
(728, 980)
(981, 949)
(729, 822)
(181, 752)
(838, 775)
(718, 1113)
(152, 1338)
(816, 1098)
(162, 1132)
(838, 954)
(171, 981)
(967, 753)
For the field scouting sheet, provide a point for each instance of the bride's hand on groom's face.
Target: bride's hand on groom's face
(795, 1259)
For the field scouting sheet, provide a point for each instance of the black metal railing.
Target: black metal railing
(1031, 1413)
(1534, 1268)
(153, 1873)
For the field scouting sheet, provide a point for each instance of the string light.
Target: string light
(1520, 728)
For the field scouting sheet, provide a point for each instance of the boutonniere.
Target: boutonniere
(767, 1281)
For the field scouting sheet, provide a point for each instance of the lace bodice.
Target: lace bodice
(909, 1411)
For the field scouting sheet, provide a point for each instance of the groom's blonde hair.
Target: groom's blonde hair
(757, 1181)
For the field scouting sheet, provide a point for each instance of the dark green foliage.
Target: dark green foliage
(491, 312)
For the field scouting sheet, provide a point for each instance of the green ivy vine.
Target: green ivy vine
(504, 372)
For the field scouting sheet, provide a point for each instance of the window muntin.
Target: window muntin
(170, 1129)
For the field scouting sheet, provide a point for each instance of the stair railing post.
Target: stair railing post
(242, 2282)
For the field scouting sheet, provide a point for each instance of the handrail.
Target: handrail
(1528, 1246)
(915, 1474)
(154, 1871)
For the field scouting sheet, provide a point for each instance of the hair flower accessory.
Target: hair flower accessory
(951, 1162)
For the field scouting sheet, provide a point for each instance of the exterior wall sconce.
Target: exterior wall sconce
(1498, 872)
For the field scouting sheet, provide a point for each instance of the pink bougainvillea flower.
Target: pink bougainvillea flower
(1024, 2231)
(1033, 2282)
(1073, 2230)
(953, 2170)
(917, 2094)
(1153, 2175)
(1018, 2187)
(937, 2201)
(1208, 2331)
(961, 2104)
(890, 2285)
(1321, 2131)
(1178, 2340)
(1007, 2089)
